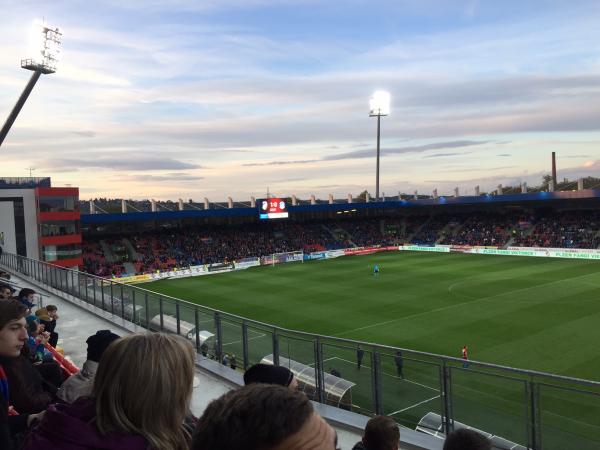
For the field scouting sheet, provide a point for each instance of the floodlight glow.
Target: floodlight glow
(43, 49)
(379, 104)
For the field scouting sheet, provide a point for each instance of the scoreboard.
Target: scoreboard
(272, 208)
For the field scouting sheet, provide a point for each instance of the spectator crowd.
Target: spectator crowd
(195, 245)
(134, 393)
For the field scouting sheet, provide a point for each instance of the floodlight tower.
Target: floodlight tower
(379, 105)
(45, 63)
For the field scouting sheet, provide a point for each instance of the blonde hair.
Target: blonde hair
(144, 386)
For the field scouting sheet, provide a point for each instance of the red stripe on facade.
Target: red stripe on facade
(51, 216)
(60, 240)
(58, 192)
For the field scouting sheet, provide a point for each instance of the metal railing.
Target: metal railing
(533, 409)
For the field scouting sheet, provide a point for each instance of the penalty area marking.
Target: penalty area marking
(413, 406)
(385, 373)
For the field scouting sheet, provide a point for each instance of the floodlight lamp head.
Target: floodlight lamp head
(45, 47)
(379, 104)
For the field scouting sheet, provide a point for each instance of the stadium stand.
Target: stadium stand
(168, 248)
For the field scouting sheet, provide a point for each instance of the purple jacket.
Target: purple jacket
(71, 427)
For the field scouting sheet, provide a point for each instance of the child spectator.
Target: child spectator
(139, 401)
(80, 384)
(48, 317)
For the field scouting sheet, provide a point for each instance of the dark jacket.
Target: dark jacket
(71, 427)
(359, 446)
(27, 392)
(10, 426)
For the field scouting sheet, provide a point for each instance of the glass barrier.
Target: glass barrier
(569, 418)
(355, 365)
(410, 388)
(519, 409)
(260, 344)
(493, 403)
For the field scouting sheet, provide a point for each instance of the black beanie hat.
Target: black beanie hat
(98, 343)
(268, 374)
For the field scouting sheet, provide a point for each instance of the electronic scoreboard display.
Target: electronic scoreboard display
(272, 208)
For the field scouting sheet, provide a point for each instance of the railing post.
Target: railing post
(177, 317)
(197, 328)
(219, 341)
(133, 308)
(447, 395)
(160, 313)
(535, 432)
(376, 381)
(94, 289)
(275, 337)
(102, 292)
(245, 352)
(319, 378)
(122, 302)
(146, 304)
(112, 298)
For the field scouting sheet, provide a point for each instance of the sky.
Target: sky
(216, 98)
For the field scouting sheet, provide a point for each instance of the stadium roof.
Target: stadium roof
(525, 199)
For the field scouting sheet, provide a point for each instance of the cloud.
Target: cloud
(281, 163)
(116, 163)
(504, 154)
(402, 150)
(170, 177)
(444, 155)
(86, 134)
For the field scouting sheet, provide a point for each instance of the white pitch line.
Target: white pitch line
(325, 360)
(240, 340)
(413, 406)
(457, 305)
(388, 374)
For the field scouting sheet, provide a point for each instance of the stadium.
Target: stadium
(443, 312)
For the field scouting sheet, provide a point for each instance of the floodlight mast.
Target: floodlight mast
(379, 105)
(46, 65)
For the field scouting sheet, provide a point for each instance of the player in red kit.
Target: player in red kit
(465, 356)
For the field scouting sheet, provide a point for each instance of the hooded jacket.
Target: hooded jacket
(72, 427)
(79, 384)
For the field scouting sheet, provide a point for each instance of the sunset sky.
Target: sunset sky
(169, 99)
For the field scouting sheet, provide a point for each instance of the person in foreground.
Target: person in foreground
(381, 433)
(465, 439)
(13, 337)
(139, 400)
(263, 417)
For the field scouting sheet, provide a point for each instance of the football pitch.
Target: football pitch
(531, 313)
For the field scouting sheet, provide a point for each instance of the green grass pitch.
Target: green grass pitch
(532, 313)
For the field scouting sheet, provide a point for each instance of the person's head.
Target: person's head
(144, 386)
(33, 325)
(465, 439)
(26, 294)
(381, 433)
(5, 292)
(13, 331)
(52, 311)
(268, 374)
(98, 343)
(263, 417)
